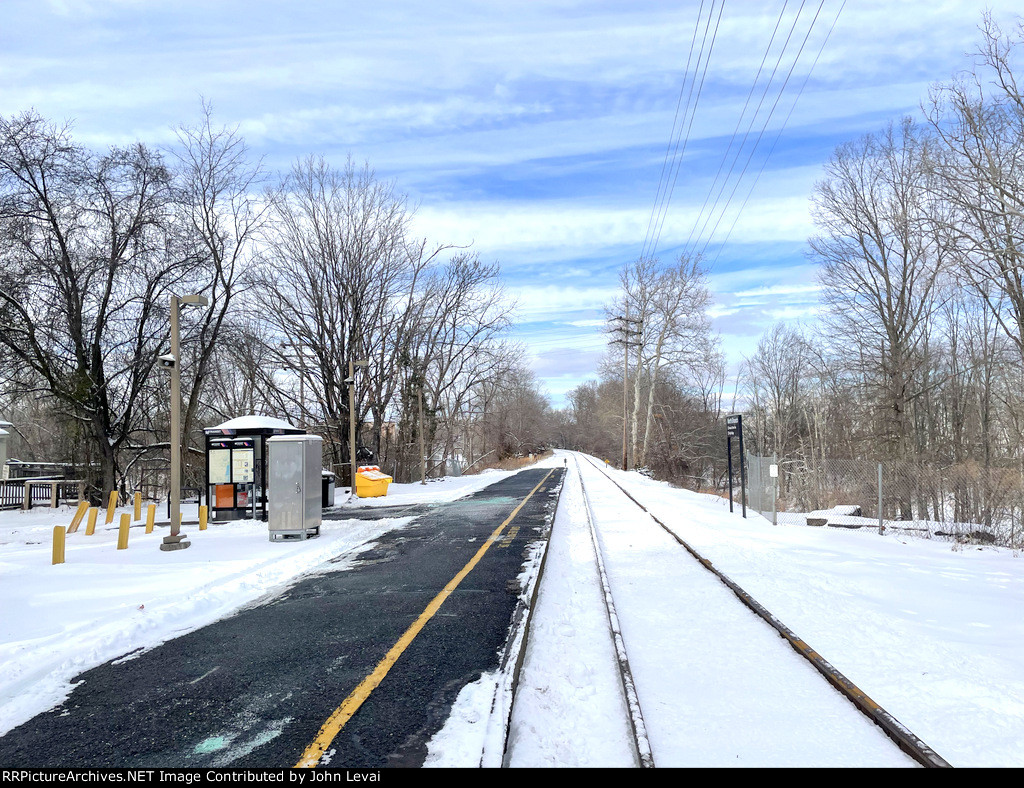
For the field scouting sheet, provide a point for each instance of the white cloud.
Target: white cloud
(565, 226)
(79, 9)
(553, 302)
(536, 130)
(791, 313)
(778, 290)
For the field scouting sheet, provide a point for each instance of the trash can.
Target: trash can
(294, 482)
(328, 487)
(371, 483)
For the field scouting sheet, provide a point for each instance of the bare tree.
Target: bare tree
(777, 382)
(461, 338)
(86, 272)
(219, 216)
(979, 118)
(670, 329)
(520, 420)
(346, 282)
(882, 255)
(334, 238)
(680, 329)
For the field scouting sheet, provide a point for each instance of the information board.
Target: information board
(242, 466)
(220, 466)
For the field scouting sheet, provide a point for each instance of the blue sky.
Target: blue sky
(536, 131)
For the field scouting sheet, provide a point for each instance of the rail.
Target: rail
(906, 740)
(640, 741)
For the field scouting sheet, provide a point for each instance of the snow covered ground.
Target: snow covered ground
(716, 685)
(932, 632)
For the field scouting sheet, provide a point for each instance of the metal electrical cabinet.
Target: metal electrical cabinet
(295, 498)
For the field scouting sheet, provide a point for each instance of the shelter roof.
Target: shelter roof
(253, 425)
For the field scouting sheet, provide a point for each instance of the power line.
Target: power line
(779, 134)
(679, 160)
(668, 148)
(753, 118)
(661, 211)
(682, 128)
(760, 135)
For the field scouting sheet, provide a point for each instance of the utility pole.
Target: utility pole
(351, 381)
(172, 362)
(423, 455)
(625, 389)
(175, 541)
(628, 334)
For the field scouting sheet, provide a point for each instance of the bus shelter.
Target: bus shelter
(236, 468)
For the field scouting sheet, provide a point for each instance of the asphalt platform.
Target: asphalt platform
(254, 689)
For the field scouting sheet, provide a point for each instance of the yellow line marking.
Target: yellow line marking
(509, 537)
(330, 729)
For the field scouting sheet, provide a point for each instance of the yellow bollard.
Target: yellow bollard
(90, 527)
(150, 517)
(122, 532)
(138, 506)
(111, 505)
(83, 507)
(58, 544)
(202, 518)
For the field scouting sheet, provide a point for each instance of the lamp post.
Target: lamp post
(423, 455)
(351, 381)
(173, 363)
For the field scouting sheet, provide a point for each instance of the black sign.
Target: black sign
(734, 429)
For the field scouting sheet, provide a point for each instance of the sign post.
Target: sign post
(734, 429)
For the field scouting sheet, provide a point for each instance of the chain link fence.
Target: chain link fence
(967, 502)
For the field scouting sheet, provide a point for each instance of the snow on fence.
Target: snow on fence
(963, 501)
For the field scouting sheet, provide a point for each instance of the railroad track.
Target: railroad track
(900, 735)
(640, 742)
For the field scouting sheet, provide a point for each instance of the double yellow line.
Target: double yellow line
(341, 715)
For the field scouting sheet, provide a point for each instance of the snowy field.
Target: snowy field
(930, 631)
